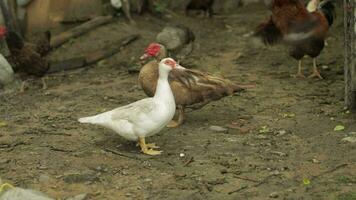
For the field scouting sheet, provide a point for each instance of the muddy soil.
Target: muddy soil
(280, 140)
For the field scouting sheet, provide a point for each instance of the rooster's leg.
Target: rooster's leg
(145, 149)
(23, 86)
(315, 71)
(173, 123)
(300, 70)
(44, 84)
(127, 11)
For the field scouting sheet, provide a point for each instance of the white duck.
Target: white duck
(145, 117)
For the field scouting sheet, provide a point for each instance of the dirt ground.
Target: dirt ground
(280, 140)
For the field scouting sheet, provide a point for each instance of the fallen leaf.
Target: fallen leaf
(339, 128)
(264, 129)
(306, 181)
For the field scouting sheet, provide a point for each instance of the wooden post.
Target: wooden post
(8, 9)
(349, 65)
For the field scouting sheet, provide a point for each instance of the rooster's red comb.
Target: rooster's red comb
(3, 32)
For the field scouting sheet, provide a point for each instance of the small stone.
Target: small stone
(275, 172)
(218, 129)
(79, 197)
(315, 160)
(181, 155)
(290, 190)
(281, 132)
(278, 153)
(352, 134)
(44, 178)
(147, 180)
(274, 195)
(349, 139)
(262, 137)
(42, 167)
(128, 194)
(4, 161)
(325, 68)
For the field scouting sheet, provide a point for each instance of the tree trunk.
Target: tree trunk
(350, 71)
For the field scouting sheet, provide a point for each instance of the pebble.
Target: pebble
(352, 134)
(181, 155)
(218, 129)
(147, 180)
(278, 153)
(44, 178)
(281, 132)
(4, 161)
(261, 136)
(350, 139)
(274, 195)
(325, 68)
(79, 197)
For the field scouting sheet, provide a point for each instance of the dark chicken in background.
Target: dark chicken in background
(27, 59)
(304, 32)
(205, 5)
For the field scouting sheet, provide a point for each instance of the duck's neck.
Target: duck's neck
(162, 53)
(163, 89)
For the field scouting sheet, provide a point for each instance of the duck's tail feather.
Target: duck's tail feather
(87, 120)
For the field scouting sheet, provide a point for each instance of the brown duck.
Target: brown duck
(191, 88)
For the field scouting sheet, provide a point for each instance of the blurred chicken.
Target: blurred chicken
(205, 5)
(7, 77)
(191, 88)
(179, 40)
(302, 31)
(125, 6)
(27, 58)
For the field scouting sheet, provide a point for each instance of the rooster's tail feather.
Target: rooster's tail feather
(328, 9)
(268, 32)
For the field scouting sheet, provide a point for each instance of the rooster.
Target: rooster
(304, 32)
(27, 58)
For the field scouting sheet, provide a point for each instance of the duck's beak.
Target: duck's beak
(144, 56)
(179, 67)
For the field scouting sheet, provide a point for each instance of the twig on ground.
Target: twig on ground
(120, 154)
(330, 170)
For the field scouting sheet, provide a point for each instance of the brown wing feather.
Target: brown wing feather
(190, 87)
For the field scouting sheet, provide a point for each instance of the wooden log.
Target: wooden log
(349, 54)
(110, 50)
(91, 58)
(60, 39)
(64, 65)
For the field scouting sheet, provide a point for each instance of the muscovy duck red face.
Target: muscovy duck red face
(170, 62)
(151, 51)
(3, 32)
